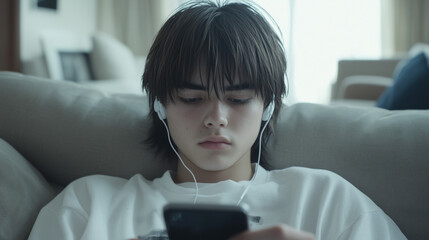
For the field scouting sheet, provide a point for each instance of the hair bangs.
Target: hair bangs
(223, 50)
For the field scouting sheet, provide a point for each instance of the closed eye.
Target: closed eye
(239, 100)
(190, 100)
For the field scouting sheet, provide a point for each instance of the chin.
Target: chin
(215, 165)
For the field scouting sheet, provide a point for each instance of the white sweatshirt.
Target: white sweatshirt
(317, 201)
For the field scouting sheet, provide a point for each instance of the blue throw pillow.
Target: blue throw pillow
(410, 89)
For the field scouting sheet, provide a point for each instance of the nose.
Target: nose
(216, 116)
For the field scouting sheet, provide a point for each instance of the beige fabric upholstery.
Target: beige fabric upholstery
(23, 191)
(111, 59)
(67, 131)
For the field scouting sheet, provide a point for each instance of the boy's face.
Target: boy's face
(214, 135)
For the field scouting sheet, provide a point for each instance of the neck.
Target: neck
(241, 170)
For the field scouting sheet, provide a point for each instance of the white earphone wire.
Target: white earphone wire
(184, 165)
(257, 165)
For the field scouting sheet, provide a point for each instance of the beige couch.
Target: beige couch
(110, 65)
(54, 132)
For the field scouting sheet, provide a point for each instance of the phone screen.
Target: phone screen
(189, 221)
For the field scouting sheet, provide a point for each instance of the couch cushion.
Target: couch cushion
(111, 59)
(411, 87)
(383, 153)
(68, 131)
(23, 191)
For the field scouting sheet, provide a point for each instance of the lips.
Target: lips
(215, 143)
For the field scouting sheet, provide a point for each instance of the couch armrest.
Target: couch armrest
(23, 192)
(348, 67)
(363, 87)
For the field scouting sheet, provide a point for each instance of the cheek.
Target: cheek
(180, 122)
(249, 121)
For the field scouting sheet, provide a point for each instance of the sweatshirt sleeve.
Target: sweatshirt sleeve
(372, 225)
(63, 218)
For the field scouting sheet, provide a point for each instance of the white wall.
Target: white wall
(76, 16)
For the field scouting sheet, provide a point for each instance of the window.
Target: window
(317, 34)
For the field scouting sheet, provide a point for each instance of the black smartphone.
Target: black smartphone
(204, 221)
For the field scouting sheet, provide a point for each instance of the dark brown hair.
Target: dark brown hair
(225, 39)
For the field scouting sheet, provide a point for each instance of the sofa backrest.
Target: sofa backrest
(68, 131)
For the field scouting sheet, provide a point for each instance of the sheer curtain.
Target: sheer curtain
(134, 22)
(317, 34)
(406, 22)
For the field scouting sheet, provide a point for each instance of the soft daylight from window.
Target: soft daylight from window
(319, 33)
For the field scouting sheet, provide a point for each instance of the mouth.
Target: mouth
(215, 143)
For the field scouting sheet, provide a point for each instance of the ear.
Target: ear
(268, 112)
(159, 109)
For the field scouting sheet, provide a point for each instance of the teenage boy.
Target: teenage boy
(215, 77)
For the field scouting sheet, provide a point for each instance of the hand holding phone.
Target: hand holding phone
(203, 221)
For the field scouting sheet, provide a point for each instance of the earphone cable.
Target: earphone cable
(257, 165)
(184, 165)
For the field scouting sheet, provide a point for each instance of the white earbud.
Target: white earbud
(268, 112)
(159, 109)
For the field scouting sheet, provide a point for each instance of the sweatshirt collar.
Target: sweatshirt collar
(226, 186)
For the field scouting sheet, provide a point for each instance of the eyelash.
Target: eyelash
(239, 101)
(189, 100)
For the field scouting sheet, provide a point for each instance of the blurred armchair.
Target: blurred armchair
(361, 82)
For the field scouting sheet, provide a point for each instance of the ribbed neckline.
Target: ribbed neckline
(223, 187)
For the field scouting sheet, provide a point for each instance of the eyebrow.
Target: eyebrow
(236, 87)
